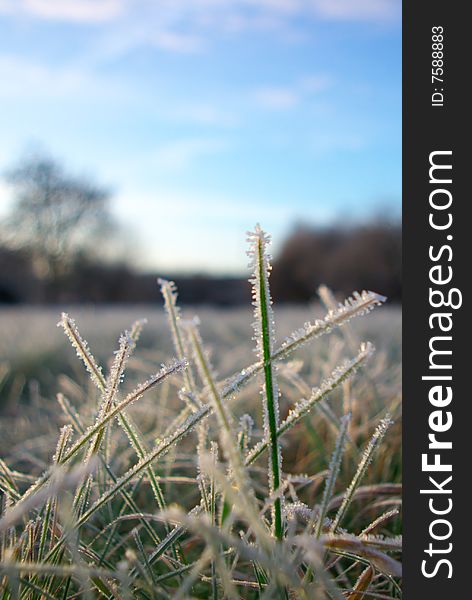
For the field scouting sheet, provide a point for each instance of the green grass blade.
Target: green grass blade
(263, 326)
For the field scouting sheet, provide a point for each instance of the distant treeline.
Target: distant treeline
(60, 225)
(94, 282)
(344, 258)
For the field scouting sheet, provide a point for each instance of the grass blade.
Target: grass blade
(264, 334)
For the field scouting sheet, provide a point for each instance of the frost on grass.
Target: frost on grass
(252, 530)
(169, 293)
(362, 467)
(82, 349)
(357, 305)
(115, 378)
(264, 330)
(360, 304)
(303, 407)
(333, 471)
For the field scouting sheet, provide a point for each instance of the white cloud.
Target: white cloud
(190, 25)
(177, 42)
(177, 155)
(155, 31)
(327, 143)
(357, 10)
(24, 78)
(312, 84)
(77, 11)
(285, 97)
(204, 114)
(276, 97)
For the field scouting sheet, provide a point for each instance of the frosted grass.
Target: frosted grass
(160, 489)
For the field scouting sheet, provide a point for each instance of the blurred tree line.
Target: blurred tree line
(345, 258)
(55, 242)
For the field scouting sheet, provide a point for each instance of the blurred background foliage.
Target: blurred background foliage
(61, 244)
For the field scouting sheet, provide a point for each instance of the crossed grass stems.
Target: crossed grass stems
(283, 547)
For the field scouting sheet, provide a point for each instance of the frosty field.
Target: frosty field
(36, 361)
(216, 491)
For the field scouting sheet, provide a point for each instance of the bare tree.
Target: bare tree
(55, 216)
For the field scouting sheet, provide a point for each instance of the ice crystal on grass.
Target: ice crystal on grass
(260, 266)
(169, 293)
(189, 399)
(102, 421)
(357, 305)
(265, 340)
(333, 471)
(83, 352)
(64, 436)
(339, 375)
(362, 584)
(362, 548)
(160, 449)
(312, 330)
(304, 406)
(362, 467)
(379, 521)
(136, 329)
(298, 509)
(236, 382)
(115, 378)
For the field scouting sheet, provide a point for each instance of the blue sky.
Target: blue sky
(206, 116)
